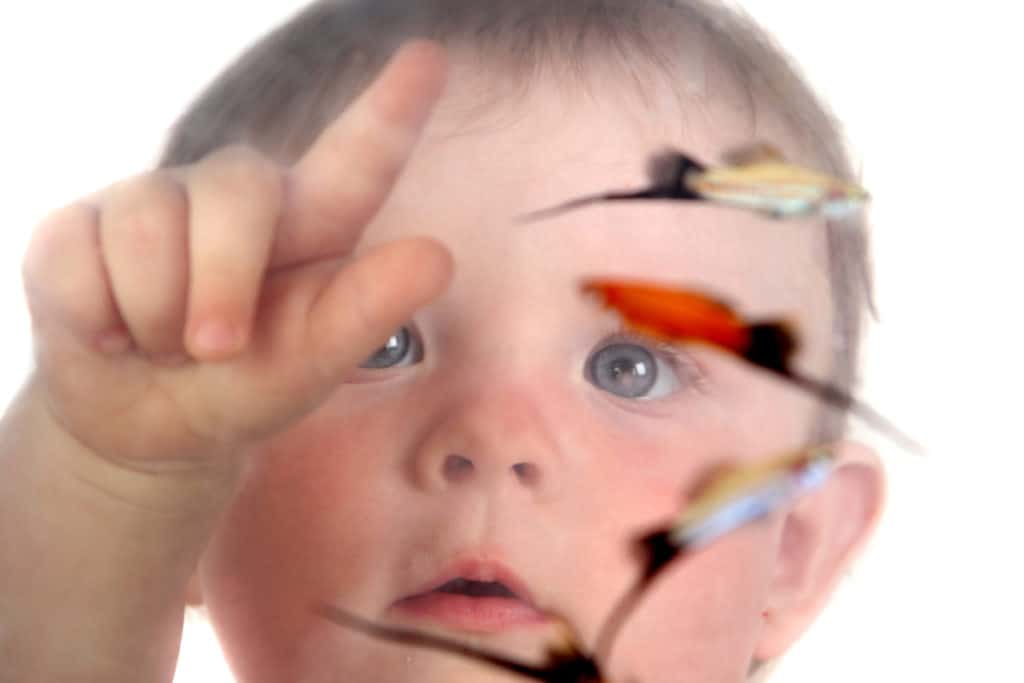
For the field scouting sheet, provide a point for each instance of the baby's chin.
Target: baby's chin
(327, 659)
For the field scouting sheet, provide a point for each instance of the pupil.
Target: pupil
(392, 352)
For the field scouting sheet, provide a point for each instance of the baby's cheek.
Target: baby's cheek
(701, 620)
(302, 530)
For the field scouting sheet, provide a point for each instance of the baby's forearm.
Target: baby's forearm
(94, 558)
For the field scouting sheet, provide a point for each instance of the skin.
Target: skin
(224, 307)
(502, 383)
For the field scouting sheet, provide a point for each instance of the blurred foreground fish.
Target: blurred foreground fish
(755, 178)
(565, 661)
(730, 498)
(680, 316)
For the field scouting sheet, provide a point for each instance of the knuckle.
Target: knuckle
(242, 170)
(144, 211)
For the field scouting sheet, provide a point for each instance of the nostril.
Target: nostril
(527, 472)
(457, 468)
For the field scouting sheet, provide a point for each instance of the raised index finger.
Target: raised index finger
(344, 177)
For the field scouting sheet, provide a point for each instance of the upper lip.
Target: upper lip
(475, 569)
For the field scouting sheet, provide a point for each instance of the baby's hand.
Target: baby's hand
(184, 313)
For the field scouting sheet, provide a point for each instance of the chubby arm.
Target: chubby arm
(94, 558)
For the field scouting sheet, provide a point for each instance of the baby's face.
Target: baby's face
(510, 433)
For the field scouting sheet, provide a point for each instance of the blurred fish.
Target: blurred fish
(729, 498)
(566, 662)
(760, 179)
(734, 496)
(755, 178)
(680, 316)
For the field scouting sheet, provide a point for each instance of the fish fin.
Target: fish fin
(755, 153)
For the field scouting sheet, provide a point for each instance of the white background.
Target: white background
(930, 93)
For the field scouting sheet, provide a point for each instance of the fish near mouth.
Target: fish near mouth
(474, 597)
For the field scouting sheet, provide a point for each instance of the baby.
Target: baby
(316, 357)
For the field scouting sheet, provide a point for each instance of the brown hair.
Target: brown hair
(284, 89)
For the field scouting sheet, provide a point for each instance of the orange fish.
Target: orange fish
(680, 315)
(686, 316)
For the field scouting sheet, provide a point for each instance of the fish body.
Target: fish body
(761, 180)
(685, 316)
(740, 494)
(672, 315)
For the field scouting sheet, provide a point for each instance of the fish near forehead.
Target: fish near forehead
(758, 179)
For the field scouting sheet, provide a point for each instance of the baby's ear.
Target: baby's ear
(821, 536)
(194, 590)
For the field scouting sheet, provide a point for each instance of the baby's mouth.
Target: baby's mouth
(476, 589)
(480, 598)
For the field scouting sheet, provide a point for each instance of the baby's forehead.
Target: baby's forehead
(697, 104)
(480, 166)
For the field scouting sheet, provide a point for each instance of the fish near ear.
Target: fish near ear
(821, 535)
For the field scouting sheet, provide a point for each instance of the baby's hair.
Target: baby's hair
(283, 90)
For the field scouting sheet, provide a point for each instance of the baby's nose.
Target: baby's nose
(505, 436)
(458, 468)
(446, 471)
(496, 442)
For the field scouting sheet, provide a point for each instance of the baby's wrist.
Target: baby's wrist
(47, 453)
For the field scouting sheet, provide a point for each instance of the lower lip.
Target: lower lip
(480, 615)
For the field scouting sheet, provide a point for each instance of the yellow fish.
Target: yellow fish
(758, 178)
(754, 178)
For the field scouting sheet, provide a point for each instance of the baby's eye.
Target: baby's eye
(631, 369)
(402, 348)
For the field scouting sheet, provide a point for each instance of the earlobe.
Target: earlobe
(820, 537)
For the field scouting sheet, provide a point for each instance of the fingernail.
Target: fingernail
(114, 341)
(216, 336)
